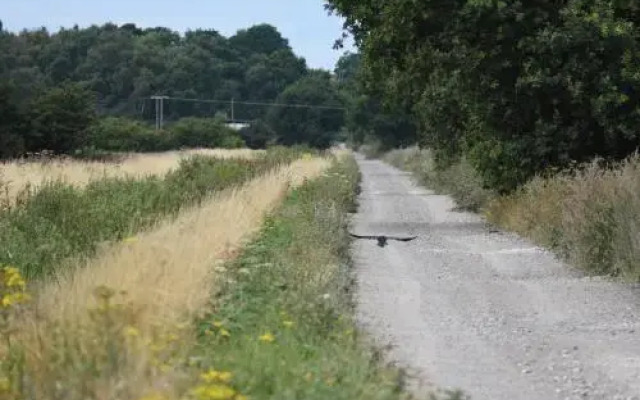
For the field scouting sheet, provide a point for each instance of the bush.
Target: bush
(125, 135)
(61, 118)
(202, 132)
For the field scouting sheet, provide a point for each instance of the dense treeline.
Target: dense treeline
(514, 87)
(55, 87)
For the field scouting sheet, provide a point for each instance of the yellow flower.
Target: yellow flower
(218, 324)
(154, 396)
(12, 278)
(224, 333)
(131, 331)
(9, 300)
(267, 338)
(307, 156)
(214, 392)
(5, 385)
(287, 323)
(216, 376)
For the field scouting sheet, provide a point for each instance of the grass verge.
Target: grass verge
(120, 328)
(459, 180)
(589, 215)
(61, 221)
(282, 324)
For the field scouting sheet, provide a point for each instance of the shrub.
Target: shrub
(202, 132)
(61, 118)
(125, 135)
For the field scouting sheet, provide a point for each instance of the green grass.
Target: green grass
(61, 222)
(298, 272)
(459, 180)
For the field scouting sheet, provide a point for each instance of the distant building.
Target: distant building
(236, 126)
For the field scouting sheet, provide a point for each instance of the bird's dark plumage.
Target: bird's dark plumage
(382, 239)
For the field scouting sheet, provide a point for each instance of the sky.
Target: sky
(308, 27)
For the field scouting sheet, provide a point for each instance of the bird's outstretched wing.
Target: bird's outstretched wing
(362, 237)
(402, 239)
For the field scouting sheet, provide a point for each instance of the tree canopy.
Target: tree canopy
(514, 86)
(125, 65)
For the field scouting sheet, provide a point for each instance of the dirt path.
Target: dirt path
(488, 313)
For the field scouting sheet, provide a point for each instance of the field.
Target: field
(184, 276)
(19, 176)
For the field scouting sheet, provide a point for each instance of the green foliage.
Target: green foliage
(368, 119)
(315, 126)
(459, 179)
(118, 134)
(11, 126)
(61, 117)
(590, 215)
(294, 283)
(60, 222)
(124, 65)
(517, 87)
(194, 132)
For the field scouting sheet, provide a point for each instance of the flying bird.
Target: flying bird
(382, 239)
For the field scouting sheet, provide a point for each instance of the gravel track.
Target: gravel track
(486, 312)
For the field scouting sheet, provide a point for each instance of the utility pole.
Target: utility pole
(232, 111)
(159, 111)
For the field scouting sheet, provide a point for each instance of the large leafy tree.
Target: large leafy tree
(515, 86)
(61, 118)
(317, 125)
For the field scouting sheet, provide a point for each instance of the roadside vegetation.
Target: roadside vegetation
(588, 214)
(283, 322)
(20, 178)
(60, 221)
(190, 310)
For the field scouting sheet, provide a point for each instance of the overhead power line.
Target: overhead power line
(159, 103)
(255, 103)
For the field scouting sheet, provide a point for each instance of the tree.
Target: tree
(61, 118)
(260, 39)
(316, 126)
(11, 125)
(516, 87)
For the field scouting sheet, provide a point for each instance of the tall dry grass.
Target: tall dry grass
(460, 179)
(591, 216)
(167, 275)
(18, 176)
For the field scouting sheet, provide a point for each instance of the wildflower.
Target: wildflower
(307, 156)
(224, 333)
(131, 331)
(131, 239)
(214, 392)
(288, 324)
(9, 300)
(218, 324)
(5, 385)
(154, 396)
(12, 278)
(216, 376)
(267, 338)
